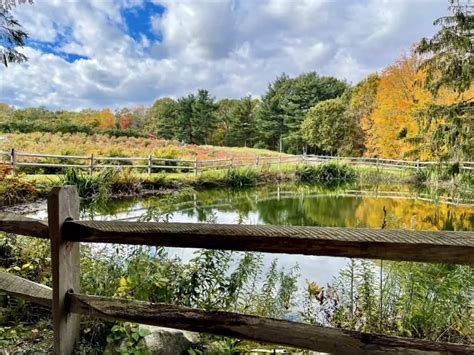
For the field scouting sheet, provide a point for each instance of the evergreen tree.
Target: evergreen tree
(203, 118)
(450, 65)
(11, 33)
(162, 118)
(224, 116)
(184, 119)
(242, 129)
(284, 107)
(270, 116)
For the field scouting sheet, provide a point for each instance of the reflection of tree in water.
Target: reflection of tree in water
(451, 220)
(309, 211)
(108, 207)
(309, 205)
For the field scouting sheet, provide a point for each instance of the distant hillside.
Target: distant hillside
(104, 145)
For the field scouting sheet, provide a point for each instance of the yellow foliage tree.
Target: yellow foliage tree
(101, 119)
(397, 100)
(395, 117)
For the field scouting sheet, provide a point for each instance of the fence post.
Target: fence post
(149, 164)
(257, 160)
(418, 164)
(195, 166)
(377, 163)
(231, 161)
(91, 164)
(279, 161)
(63, 204)
(13, 160)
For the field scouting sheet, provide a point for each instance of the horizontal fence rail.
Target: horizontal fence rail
(403, 245)
(301, 335)
(150, 163)
(65, 232)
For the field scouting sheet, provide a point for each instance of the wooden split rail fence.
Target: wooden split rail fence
(65, 233)
(150, 164)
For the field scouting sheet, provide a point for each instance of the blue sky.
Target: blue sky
(138, 20)
(96, 53)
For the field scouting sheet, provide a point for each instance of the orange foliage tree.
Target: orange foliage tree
(102, 119)
(125, 121)
(395, 119)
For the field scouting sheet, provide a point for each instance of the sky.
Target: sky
(115, 53)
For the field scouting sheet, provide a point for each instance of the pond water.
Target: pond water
(296, 205)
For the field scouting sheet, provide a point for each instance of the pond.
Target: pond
(350, 206)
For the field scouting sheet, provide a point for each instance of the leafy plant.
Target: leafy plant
(129, 338)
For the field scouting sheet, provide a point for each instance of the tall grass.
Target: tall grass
(242, 177)
(90, 186)
(327, 173)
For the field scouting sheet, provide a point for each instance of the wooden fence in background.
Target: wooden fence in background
(65, 233)
(152, 164)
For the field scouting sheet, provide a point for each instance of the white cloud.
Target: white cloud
(231, 47)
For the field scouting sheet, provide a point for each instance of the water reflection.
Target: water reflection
(295, 205)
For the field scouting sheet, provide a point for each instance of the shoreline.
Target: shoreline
(139, 185)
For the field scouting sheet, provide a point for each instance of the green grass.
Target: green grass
(127, 182)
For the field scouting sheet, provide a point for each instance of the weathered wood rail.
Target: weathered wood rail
(232, 324)
(66, 232)
(150, 164)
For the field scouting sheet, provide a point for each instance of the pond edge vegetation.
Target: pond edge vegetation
(114, 182)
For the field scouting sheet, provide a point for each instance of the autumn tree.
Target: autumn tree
(101, 119)
(131, 118)
(393, 117)
(6, 112)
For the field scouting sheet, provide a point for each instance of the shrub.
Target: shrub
(15, 189)
(241, 177)
(326, 173)
(90, 186)
(126, 183)
(169, 152)
(260, 145)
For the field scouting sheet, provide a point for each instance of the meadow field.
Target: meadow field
(109, 146)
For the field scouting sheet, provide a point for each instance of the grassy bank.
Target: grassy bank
(113, 183)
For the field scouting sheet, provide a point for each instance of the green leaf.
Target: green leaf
(144, 332)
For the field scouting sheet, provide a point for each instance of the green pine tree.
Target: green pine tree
(450, 64)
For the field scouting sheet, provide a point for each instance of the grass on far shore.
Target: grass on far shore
(130, 183)
(209, 177)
